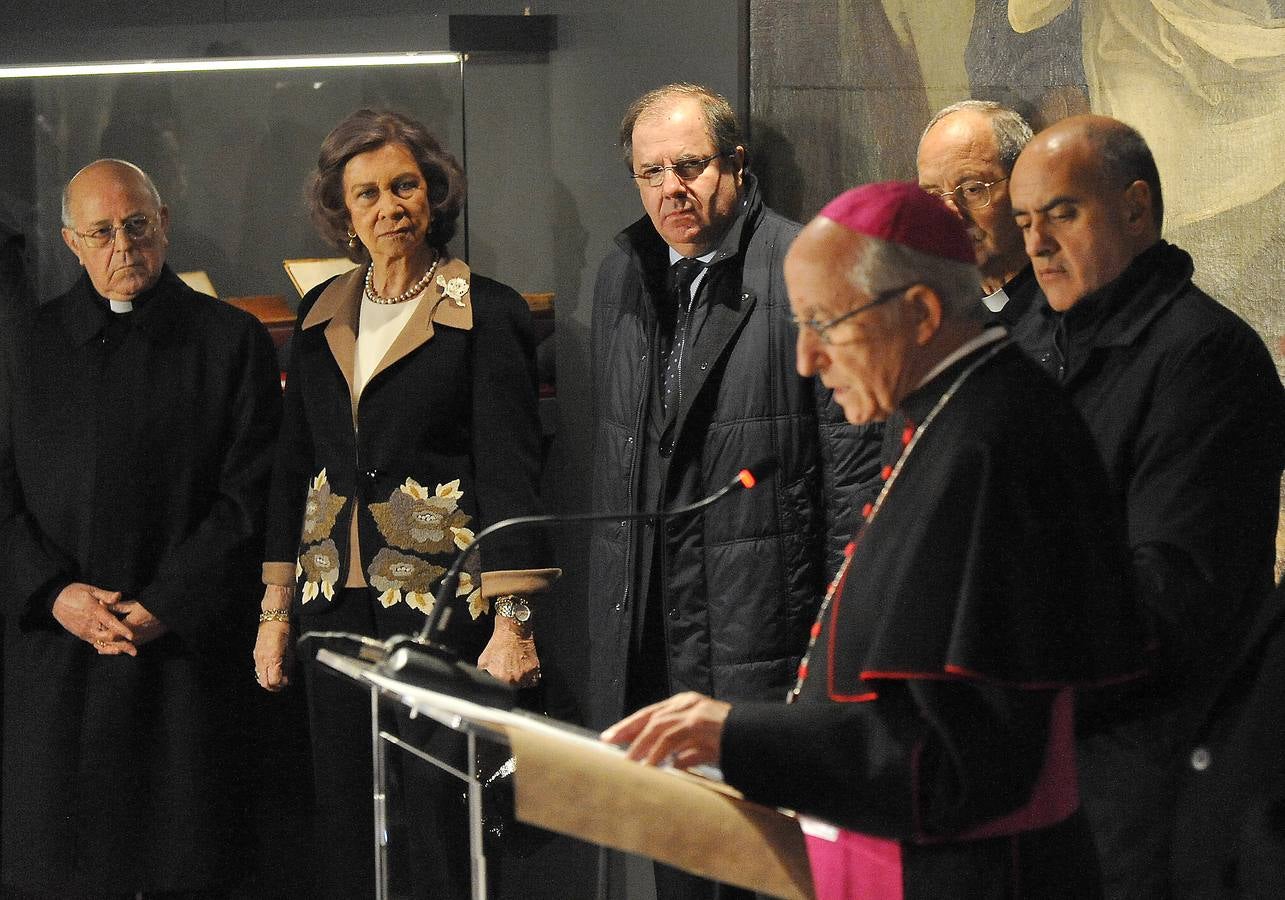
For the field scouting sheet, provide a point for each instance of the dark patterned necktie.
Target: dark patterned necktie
(681, 276)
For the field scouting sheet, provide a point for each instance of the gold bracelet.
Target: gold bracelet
(275, 615)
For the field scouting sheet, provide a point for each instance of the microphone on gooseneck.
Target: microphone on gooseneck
(427, 663)
(745, 479)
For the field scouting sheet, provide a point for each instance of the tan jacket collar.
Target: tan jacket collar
(447, 302)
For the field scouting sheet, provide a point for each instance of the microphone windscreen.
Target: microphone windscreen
(423, 667)
(756, 472)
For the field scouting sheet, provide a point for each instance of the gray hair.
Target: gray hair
(886, 266)
(720, 121)
(143, 178)
(1011, 131)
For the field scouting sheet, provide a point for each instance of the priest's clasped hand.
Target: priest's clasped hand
(686, 729)
(83, 610)
(101, 618)
(142, 624)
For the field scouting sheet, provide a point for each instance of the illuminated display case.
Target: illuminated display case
(229, 145)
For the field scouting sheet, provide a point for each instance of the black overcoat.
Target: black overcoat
(135, 459)
(1188, 414)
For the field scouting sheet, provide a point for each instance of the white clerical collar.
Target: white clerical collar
(995, 302)
(989, 336)
(121, 306)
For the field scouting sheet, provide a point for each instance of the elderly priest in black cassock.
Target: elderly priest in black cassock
(136, 422)
(933, 722)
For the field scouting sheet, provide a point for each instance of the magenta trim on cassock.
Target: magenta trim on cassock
(855, 866)
(1056, 793)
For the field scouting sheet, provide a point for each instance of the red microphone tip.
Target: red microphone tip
(747, 479)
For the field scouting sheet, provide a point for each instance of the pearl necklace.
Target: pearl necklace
(850, 550)
(405, 295)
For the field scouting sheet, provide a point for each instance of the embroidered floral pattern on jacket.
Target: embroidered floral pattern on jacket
(476, 603)
(320, 509)
(415, 519)
(318, 566)
(400, 575)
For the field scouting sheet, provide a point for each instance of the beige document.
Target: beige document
(686, 821)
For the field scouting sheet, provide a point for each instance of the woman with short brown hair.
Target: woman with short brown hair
(410, 422)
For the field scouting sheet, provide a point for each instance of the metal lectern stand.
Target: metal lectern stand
(454, 714)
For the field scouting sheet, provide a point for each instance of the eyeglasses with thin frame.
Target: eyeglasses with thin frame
(684, 170)
(971, 194)
(137, 228)
(823, 329)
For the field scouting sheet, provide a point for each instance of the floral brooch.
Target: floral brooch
(455, 289)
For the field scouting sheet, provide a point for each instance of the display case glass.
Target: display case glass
(230, 151)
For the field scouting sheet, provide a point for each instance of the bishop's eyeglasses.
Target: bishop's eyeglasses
(136, 228)
(684, 169)
(823, 329)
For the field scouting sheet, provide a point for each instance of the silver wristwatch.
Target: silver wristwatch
(512, 607)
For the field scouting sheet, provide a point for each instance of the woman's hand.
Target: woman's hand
(510, 654)
(273, 649)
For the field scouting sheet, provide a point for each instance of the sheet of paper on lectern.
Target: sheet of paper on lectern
(686, 821)
(199, 281)
(306, 274)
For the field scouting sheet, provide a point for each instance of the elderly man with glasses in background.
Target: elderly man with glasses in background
(136, 424)
(966, 155)
(694, 378)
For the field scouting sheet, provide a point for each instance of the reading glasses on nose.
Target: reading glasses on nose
(970, 194)
(136, 228)
(684, 170)
(822, 329)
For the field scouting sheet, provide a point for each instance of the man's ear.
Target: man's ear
(163, 222)
(925, 308)
(69, 238)
(1138, 204)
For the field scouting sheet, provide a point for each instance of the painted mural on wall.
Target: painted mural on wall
(841, 89)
